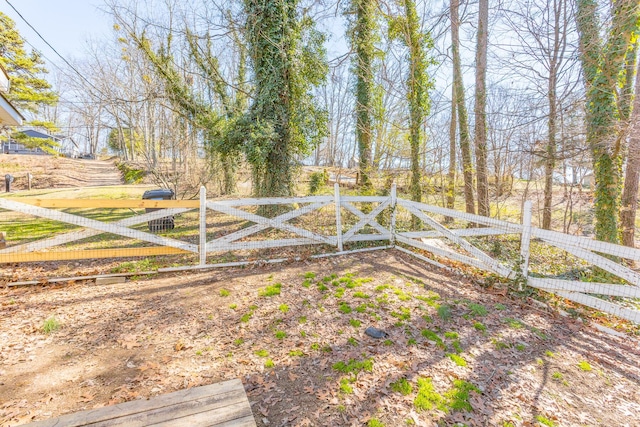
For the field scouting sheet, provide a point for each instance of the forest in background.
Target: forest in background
(453, 97)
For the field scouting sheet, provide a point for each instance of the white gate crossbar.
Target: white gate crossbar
(96, 225)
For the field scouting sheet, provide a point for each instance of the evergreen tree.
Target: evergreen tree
(29, 90)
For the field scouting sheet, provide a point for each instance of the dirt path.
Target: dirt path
(294, 334)
(58, 172)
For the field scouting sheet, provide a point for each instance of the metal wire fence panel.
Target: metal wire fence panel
(166, 235)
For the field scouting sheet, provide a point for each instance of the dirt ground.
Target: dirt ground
(58, 172)
(147, 337)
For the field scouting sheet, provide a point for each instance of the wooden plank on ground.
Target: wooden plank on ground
(107, 203)
(216, 405)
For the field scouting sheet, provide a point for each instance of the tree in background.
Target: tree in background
(461, 109)
(480, 109)
(363, 36)
(629, 204)
(288, 60)
(29, 91)
(602, 63)
(407, 29)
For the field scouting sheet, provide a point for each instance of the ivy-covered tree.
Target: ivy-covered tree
(363, 36)
(407, 29)
(29, 90)
(602, 64)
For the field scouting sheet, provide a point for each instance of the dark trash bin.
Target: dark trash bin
(161, 224)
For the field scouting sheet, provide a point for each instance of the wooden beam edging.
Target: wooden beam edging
(54, 280)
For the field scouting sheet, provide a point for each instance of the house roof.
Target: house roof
(9, 116)
(37, 134)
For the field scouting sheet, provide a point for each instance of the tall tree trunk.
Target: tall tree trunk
(601, 68)
(465, 143)
(629, 203)
(363, 43)
(451, 176)
(550, 153)
(480, 109)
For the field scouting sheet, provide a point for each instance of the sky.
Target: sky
(65, 24)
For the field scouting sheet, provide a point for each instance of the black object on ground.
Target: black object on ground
(166, 223)
(375, 332)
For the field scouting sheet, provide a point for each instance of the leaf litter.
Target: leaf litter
(136, 340)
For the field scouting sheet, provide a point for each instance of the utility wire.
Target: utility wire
(53, 49)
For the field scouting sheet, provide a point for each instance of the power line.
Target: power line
(53, 49)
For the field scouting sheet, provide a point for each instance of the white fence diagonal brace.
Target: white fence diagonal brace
(490, 263)
(96, 225)
(83, 234)
(277, 222)
(365, 219)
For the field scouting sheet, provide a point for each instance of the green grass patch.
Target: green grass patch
(50, 325)
(404, 314)
(479, 326)
(309, 275)
(428, 398)
(545, 421)
(458, 360)
(283, 308)
(280, 334)
(302, 320)
(451, 335)
(353, 366)
(584, 365)
(345, 386)
(344, 308)
(444, 312)
(270, 291)
(381, 288)
(352, 341)
(269, 364)
(402, 386)
(261, 353)
(477, 309)
(339, 293)
(296, 353)
(458, 396)
(224, 293)
(355, 323)
(513, 323)
(361, 295)
(238, 342)
(233, 306)
(374, 422)
(432, 336)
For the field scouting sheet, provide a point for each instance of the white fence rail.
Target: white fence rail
(445, 239)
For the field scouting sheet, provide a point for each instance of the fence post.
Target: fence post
(336, 195)
(203, 226)
(394, 201)
(525, 240)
